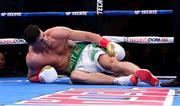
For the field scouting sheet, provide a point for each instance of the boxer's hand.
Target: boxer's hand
(47, 75)
(113, 49)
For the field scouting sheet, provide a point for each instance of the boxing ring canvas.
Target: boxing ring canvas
(19, 91)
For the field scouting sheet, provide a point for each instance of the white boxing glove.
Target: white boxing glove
(114, 49)
(48, 74)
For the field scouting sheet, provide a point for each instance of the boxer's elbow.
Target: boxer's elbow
(32, 79)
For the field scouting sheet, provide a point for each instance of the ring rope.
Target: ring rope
(87, 13)
(137, 40)
(142, 39)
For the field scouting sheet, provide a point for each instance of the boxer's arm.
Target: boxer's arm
(113, 49)
(33, 71)
(85, 36)
(32, 78)
(47, 74)
(33, 75)
(76, 35)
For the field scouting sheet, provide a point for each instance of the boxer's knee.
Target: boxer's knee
(78, 76)
(107, 62)
(74, 75)
(117, 67)
(113, 64)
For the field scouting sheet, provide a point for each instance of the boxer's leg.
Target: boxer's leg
(127, 68)
(117, 67)
(79, 76)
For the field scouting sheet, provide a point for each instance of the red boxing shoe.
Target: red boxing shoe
(146, 76)
(134, 80)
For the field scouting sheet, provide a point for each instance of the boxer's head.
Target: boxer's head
(35, 36)
(32, 33)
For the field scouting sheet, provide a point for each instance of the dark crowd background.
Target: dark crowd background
(157, 58)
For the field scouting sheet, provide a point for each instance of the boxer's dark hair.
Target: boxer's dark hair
(31, 33)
